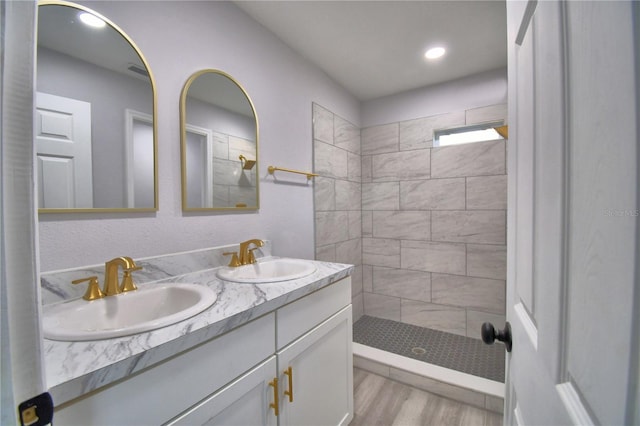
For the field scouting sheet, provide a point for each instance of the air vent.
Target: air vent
(138, 70)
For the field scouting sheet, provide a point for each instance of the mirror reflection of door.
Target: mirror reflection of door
(200, 173)
(63, 150)
(139, 160)
(102, 67)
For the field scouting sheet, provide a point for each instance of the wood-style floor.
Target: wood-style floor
(380, 401)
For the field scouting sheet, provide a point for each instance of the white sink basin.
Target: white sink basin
(150, 307)
(268, 271)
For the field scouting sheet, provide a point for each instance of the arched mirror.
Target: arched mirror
(219, 129)
(95, 132)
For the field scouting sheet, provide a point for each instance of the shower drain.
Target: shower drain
(419, 351)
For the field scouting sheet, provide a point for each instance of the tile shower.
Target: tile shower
(425, 226)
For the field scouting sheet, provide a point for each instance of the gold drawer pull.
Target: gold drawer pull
(289, 373)
(275, 403)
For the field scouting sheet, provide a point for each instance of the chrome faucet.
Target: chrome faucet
(112, 285)
(246, 255)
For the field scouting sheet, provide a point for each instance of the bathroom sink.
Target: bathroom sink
(150, 307)
(268, 271)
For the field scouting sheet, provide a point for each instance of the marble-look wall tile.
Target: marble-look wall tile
(469, 292)
(346, 135)
(380, 139)
(322, 124)
(418, 133)
(326, 253)
(354, 166)
(377, 305)
(381, 196)
(381, 252)
(476, 226)
(330, 161)
(220, 145)
(473, 159)
(433, 194)
(487, 261)
(366, 168)
(485, 114)
(240, 146)
(413, 225)
(433, 257)
(437, 317)
(355, 224)
(414, 285)
(349, 251)
(487, 193)
(324, 193)
(348, 195)
(475, 319)
(330, 227)
(367, 224)
(401, 165)
(367, 278)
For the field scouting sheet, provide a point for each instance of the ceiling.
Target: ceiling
(376, 48)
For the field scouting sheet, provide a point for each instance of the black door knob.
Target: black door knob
(489, 334)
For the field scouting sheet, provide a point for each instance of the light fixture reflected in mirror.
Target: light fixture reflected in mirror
(95, 114)
(219, 144)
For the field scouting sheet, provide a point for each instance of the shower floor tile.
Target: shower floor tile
(447, 350)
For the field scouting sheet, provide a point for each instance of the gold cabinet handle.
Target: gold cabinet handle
(289, 372)
(275, 404)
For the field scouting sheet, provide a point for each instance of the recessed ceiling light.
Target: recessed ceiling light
(434, 52)
(91, 20)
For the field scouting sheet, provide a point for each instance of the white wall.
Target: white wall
(480, 90)
(177, 39)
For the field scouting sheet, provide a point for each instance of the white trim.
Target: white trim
(445, 375)
(572, 402)
(129, 164)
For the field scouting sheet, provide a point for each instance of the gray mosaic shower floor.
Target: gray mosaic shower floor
(447, 350)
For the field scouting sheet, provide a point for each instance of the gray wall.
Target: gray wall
(178, 38)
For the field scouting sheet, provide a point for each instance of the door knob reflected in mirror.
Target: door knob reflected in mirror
(489, 334)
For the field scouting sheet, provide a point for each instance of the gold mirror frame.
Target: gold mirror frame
(154, 116)
(242, 160)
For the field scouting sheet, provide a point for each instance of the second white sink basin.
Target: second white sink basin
(268, 271)
(150, 307)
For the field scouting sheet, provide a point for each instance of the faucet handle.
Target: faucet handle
(93, 289)
(234, 259)
(127, 280)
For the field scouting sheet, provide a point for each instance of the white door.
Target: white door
(573, 214)
(63, 146)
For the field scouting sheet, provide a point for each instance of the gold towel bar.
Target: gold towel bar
(273, 169)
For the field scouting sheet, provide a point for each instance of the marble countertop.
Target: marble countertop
(75, 368)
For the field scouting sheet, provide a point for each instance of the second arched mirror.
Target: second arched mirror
(219, 129)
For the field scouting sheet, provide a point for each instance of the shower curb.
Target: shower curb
(479, 392)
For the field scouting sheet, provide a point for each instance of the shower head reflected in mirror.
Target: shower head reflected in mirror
(246, 163)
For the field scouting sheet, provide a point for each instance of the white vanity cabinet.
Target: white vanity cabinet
(229, 380)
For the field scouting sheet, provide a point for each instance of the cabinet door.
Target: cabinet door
(320, 388)
(245, 401)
